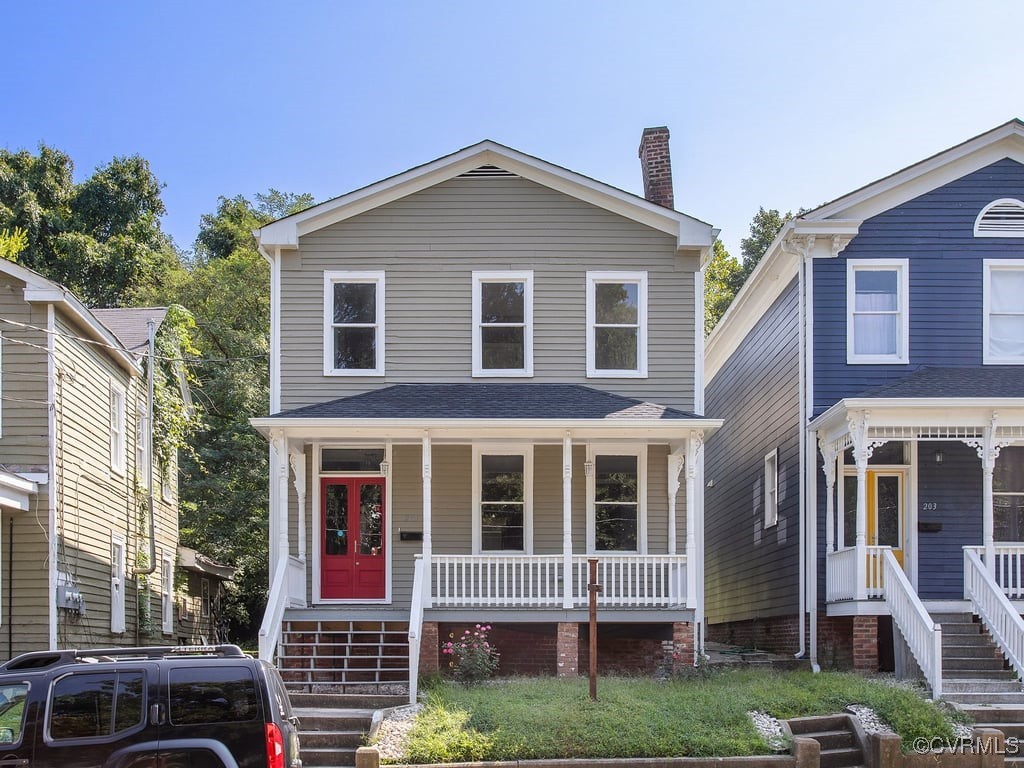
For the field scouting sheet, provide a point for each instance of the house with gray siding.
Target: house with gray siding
(81, 566)
(868, 485)
(485, 372)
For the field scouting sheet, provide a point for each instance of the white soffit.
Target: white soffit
(690, 232)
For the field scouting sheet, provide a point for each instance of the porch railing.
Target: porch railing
(922, 635)
(419, 583)
(1009, 567)
(989, 601)
(841, 573)
(500, 581)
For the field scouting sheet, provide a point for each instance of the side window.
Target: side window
(353, 323)
(771, 489)
(877, 316)
(118, 429)
(12, 712)
(503, 323)
(118, 567)
(617, 324)
(1004, 312)
(213, 695)
(95, 705)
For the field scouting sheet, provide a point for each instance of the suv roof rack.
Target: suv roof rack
(43, 659)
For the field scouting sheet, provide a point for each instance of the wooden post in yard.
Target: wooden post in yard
(593, 588)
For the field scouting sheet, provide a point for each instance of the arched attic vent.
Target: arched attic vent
(1002, 218)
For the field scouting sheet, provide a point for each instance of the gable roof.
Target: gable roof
(131, 326)
(284, 233)
(826, 230)
(40, 290)
(486, 402)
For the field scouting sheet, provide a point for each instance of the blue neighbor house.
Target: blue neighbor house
(867, 489)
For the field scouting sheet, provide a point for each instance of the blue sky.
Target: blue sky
(777, 104)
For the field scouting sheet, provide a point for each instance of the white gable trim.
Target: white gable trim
(690, 233)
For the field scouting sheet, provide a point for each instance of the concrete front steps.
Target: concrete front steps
(1008, 718)
(973, 669)
(333, 726)
(838, 736)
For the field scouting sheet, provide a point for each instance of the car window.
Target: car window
(12, 712)
(208, 694)
(97, 704)
(278, 693)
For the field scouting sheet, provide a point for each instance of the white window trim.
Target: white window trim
(640, 278)
(526, 451)
(205, 598)
(118, 440)
(902, 267)
(503, 277)
(167, 592)
(640, 451)
(990, 266)
(981, 216)
(118, 577)
(771, 489)
(141, 446)
(330, 278)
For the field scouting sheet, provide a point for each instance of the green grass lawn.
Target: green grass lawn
(634, 717)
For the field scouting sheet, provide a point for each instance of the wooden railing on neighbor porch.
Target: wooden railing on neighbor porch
(538, 581)
(989, 601)
(1009, 567)
(841, 573)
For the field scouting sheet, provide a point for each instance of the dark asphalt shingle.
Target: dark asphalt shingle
(990, 381)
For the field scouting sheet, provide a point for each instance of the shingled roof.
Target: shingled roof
(487, 401)
(990, 381)
(131, 325)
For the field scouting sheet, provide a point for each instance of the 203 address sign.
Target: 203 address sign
(929, 506)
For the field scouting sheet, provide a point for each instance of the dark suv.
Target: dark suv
(172, 707)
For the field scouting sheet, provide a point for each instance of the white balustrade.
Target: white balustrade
(1009, 567)
(296, 582)
(270, 629)
(922, 635)
(841, 573)
(989, 601)
(499, 581)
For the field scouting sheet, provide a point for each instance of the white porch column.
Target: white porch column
(693, 445)
(427, 521)
(676, 461)
(861, 454)
(280, 490)
(567, 600)
(828, 456)
(988, 449)
(298, 462)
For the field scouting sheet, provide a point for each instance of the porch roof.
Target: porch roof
(482, 405)
(990, 381)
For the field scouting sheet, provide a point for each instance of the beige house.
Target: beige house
(485, 371)
(77, 566)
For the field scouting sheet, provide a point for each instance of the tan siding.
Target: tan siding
(430, 242)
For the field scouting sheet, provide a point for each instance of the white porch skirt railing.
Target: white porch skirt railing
(841, 573)
(296, 582)
(989, 601)
(500, 581)
(922, 635)
(1009, 568)
(419, 583)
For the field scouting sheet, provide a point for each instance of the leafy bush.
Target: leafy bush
(473, 657)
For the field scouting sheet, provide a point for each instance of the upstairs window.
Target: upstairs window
(118, 429)
(1001, 218)
(1003, 322)
(354, 323)
(877, 316)
(502, 323)
(617, 324)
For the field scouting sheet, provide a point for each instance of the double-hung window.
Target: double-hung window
(354, 323)
(1004, 311)
(771, 489)
(877, 315)
(118, 428)
(616, 491)
(617, 324)
(503, 323)
(503, 494)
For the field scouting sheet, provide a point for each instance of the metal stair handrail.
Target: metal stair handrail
(995, 609)
(922, 634)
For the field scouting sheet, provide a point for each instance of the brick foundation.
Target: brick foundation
(627, 648)
(865, 643)
(682, 641)
(567, 649)
(524, 649)
(429, 648)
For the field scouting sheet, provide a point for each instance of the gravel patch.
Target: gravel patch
(869, 719)
(393, 732)
(770, 729)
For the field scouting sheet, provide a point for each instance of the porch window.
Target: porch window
(502, 488)
(617, 504)
(354, 323)
(1008, 494)
(878, 320)
(503, 323)
(617, 324)
(1004, 311)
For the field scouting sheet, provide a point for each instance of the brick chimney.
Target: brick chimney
(657, 166)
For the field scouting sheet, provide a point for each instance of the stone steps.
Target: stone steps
(837, 735)
(333, 726)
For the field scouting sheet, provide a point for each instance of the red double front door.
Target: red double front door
(352, 538)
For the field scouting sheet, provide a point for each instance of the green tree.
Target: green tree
(12, 243)
(763, 229)
(101, 238)
(723, 277)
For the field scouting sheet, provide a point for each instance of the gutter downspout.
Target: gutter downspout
(148, 437)
(801, 506)
(811, 459)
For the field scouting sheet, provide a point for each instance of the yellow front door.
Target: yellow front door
(886, 510)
